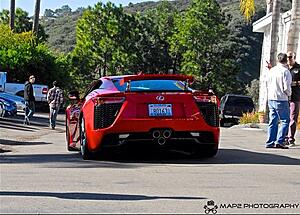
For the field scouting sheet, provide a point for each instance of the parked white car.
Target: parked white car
(39, 91)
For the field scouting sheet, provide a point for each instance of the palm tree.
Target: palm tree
(294, 30)
(35, 26)
(12, 14)
(275, 30)
(247, 8)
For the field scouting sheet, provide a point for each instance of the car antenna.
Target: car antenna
(128, 86)
(186, 84)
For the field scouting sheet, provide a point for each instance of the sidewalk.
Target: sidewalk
(262, 127)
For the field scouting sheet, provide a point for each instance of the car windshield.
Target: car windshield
(239, 101)
(152, 85)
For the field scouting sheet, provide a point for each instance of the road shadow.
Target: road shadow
(4, 150)
(23, 143)
(136, 160)
(95, 196)
(40, 121)
(13, 125)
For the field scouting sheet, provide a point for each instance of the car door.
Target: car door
(74, 111)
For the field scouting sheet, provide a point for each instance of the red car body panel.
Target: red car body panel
(133, 116)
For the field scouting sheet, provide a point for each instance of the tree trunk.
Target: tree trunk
(274, 30)
(35, 26)
(12, 14)
(294, 30)
(269, 6)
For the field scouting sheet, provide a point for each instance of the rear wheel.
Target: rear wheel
(85, 153)
(222, 122)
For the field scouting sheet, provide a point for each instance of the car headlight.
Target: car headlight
(6, 103)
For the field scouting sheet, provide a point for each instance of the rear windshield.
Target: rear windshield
(239, 101)
(152, 85)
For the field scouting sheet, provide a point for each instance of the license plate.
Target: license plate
(160, 109)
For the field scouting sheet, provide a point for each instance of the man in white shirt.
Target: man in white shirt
(279, 81)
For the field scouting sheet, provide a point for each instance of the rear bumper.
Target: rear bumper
(181, 130)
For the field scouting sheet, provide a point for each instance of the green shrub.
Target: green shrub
(249, 118)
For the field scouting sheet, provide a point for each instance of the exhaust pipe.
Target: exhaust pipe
(156, 134)
(161, 141)
(167, 133)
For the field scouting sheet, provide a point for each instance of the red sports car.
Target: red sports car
(155, 109)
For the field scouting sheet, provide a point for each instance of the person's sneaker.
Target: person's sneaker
(281, 146)
(270, 146)
(292, 143)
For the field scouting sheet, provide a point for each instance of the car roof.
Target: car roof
(237, 95)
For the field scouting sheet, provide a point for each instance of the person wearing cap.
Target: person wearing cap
(29, 100)
(294, 100)
(55, 100)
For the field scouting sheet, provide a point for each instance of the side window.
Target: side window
(94, 85)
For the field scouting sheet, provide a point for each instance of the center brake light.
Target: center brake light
(108, 100)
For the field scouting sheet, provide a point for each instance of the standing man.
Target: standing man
(295, 97)
(279, 81)
(55, 99)
(29, 100)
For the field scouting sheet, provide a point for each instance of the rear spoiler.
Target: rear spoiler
(188, 78)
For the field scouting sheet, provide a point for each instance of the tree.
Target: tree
(22, 23)
(63, 11)
(20, 56)
(275, 30)
(294, 30)
(155, 28)
(12, 14)
(106, 37)
(205, 48)
(36, 17)
(247, 8)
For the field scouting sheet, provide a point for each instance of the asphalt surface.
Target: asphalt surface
(38, 175)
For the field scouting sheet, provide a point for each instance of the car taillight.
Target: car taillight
(204, 98)
(45, 90)
(108, 100)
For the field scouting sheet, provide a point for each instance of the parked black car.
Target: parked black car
(233, 106)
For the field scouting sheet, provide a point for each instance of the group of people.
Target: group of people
(283, 93)
(54, 98)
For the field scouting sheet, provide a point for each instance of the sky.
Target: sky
(28, 5)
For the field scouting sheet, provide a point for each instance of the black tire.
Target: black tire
(222, 122)
(85, 153)
(211, 152)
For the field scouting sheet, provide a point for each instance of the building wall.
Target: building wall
(281, 47)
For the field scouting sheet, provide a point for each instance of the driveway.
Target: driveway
(38, 175)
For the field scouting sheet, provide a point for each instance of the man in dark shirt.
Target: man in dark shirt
(294, 68)
(29, 100)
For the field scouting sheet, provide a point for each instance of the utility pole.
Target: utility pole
(35, 26)
(12, 14)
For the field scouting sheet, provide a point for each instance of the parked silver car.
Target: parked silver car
(17, 99)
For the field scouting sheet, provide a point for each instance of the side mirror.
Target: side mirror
(73, 95)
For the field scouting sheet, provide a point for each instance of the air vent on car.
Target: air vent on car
(105, 114)
(209, 112)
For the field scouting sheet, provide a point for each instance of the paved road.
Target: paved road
(38, 175)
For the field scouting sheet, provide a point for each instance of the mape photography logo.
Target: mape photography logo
(210, 207)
